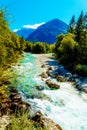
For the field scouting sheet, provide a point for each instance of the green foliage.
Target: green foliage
(39, 47)
(71, 28)
(3, 98)
(66, 50)
(22, 122)
(79, 30)
(81, 69)
(10, 44)
(71, 49)
(29, 47)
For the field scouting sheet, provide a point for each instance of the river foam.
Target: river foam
(66, 106)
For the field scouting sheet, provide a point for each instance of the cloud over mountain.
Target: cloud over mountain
(35, 26)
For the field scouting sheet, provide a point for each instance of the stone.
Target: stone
(23, 106)
(51, 84)
(43, 66)
(45, 122)
(16, 98)
(68, 75)
(44, 75)
(50, 68)
(39, 87)
(51, 125)
(37, 117)
(60, 78)
(13, 90)
(51, 74)
(17, 105)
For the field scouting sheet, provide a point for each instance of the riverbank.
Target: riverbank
(15, 104)
(70, 97)
(80, 83)
(57, 104)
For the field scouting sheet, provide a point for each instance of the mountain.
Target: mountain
(27, 30)
(48, 31)
(24, 32)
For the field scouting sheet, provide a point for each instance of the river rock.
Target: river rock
(4, 121)
(60, 78)
(51, 125)
(13, 90)
(53, 75)
(68, 75)
(50, 68)
(84, 90)
(40, 87)
(44, 75)
(17, 105)
(75, 76)
(43, 66)
(16, 98)
(51, 84)
(45, 122)
(23, 106)
(6, 107)
(37, 117)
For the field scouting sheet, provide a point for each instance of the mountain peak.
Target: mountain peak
(48, 31)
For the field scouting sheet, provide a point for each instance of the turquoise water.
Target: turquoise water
(66, 106)
(28, 75)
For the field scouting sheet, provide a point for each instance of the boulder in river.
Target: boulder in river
(40, 87)
(43, 66)
(53, 75)
(51, 84)
(44, 75)
(60, 78)
(68, 74)
(50, 68)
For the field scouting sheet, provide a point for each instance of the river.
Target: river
(65, 106)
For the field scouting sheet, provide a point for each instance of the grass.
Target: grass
(22, 122)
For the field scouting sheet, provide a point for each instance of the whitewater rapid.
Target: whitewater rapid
(66, 106)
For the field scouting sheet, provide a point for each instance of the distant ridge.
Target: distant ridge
(24, 32)
(48, 31)
(27, 30)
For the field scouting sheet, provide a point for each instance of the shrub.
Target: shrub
(81, 69)
(22, 122)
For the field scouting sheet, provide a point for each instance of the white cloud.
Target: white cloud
(35, 26)
(15, 30)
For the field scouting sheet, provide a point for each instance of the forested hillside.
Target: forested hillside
(10, 44)
(71, 48)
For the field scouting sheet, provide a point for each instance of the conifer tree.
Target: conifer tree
(72, 25)
(80, 28)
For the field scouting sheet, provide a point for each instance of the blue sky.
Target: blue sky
(26, 12)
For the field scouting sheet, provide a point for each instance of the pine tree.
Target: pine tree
(72, 25)
(80, 28)
(85, 23)
(81, 38)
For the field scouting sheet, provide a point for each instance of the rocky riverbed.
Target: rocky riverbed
(63, 103)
